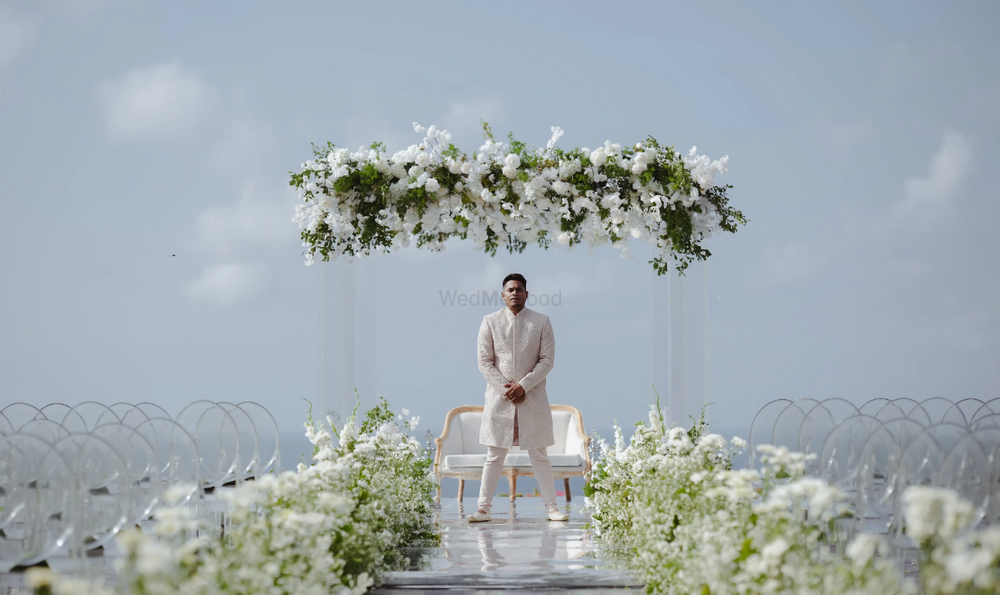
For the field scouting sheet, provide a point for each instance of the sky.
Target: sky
(147, 251)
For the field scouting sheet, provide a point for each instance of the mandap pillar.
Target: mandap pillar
(347, 336)
(679, 310)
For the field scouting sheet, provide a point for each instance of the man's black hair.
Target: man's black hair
(515, 277)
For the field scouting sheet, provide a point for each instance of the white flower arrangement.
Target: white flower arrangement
(324, 528)
(691, 524)
(508, 196)
(958, 558)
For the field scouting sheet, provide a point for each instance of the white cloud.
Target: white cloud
(251, 222)
(791, 262)
(233, 236)
(226, 284)
(15, 34)
(155, 101)
(926, 196)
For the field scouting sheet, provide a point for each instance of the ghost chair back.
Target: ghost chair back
(44, 429)
(217, 436)
(153, 411)
(35, 502)
(145, 484)
(943, 410)
(873, 406)
(177, 457)
(86, 416)
(968, 470)
(762, 427)
(268, 438)
(990, 407)
(817, 425)
(55, 411)
(247, 433)
(18, 414)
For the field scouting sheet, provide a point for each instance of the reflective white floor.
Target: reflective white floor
(519, 549)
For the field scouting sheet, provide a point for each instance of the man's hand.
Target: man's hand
(514, 393)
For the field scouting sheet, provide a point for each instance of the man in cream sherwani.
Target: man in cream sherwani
(516, 352)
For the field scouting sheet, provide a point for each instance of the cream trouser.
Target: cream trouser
(493, 469)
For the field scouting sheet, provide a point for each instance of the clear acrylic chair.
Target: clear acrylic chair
(83, 418)
(247, 431)
(100, 490)
(268, 437)
(873, 406)
(177, 454)
(943, 410)
(145, 484)
(18, 414)
(44, 429)
(34, 503)
(762, 427)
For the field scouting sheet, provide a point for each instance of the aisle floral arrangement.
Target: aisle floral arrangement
(507, 195)
(324, 528)
(692, 524)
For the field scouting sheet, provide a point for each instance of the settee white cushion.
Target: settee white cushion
(519, 459)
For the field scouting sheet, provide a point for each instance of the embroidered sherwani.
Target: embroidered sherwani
(518, 349)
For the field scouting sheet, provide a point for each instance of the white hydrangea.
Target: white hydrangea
(333, 218)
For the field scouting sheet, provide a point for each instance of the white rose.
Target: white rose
(598, 157)
(423, 159)
(512, 160)
(432, 185)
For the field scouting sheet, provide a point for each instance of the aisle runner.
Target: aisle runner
(520, 550)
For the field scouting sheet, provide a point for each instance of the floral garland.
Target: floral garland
(692, 524)
(332, 527)
(507, 195)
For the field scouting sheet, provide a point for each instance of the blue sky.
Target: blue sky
(145, 219)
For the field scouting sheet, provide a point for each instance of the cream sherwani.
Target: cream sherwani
(518, 349)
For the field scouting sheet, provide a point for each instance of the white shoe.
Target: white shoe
(558, 516)
(479, 517)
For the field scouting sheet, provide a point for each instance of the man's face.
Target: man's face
(514, 294)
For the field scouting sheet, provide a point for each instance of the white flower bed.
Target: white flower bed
(509, 196)
(694, 525)
(322, 529)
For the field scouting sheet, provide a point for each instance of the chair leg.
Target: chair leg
(566, 483)
(461, 489)
(512, 480)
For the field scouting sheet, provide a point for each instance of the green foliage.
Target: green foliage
(377, 416)
(365, 193)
